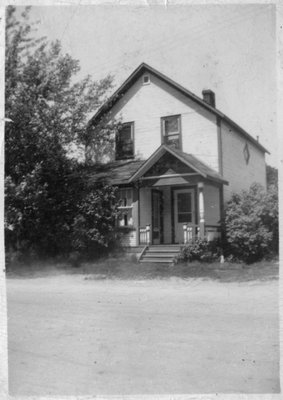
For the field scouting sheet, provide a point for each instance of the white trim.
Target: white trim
(169, 175)
(168, 117)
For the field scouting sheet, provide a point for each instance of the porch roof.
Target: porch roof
(116, 173)
(188, 159)
(129, 171)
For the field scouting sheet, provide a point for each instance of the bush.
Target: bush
(251, 223)
(93, 230)
(201, 250)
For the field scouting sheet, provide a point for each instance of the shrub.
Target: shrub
(251, 223)
(93, 229)
(201, 250)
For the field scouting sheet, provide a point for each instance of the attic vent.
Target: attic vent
(146, 80)
(246, 152)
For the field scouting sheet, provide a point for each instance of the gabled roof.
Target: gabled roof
(128, 171)
(188, 159)
(146, 68)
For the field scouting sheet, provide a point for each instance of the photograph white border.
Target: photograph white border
(3, 301)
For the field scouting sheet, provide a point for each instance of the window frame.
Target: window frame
(181, 213)
(124, 209)
(123, 157)
(179, 132)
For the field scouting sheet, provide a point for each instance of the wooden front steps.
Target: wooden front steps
(166, 253)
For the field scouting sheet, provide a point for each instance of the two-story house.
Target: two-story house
(177, 159)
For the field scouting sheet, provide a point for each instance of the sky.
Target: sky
(230, 49)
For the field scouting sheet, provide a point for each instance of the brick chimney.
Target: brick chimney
(209, 97)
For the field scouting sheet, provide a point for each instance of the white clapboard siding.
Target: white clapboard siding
(211, 205)
(146, 104)
(129, 239)
(145, 207)
(235, 169)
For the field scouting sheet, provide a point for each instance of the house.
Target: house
(176, 159)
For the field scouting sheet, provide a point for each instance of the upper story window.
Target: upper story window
(125, 141)
(171, 131)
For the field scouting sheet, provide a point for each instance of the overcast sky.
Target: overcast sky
(230, 49)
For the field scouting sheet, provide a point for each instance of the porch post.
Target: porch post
(147, 229)
(185, 227)
(201, 210)
(139, 216)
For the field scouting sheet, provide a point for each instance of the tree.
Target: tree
(49, 108)
(271, 176)
(251, 223)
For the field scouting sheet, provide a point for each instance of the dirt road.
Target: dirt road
(73, 336)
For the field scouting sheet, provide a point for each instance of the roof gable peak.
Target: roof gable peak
(145, 67)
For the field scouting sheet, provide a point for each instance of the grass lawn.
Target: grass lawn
(226, 272)
(127, 269)
(100, 329)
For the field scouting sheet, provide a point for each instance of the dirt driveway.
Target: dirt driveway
(69, 336)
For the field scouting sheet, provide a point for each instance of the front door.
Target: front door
(157, 217)
(184, 212)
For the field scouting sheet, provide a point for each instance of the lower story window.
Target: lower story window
(125, 196)
(125, 219)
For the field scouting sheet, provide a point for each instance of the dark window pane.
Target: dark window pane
(125, 133)
(171, 125)
(124, 142)
(185, 217)
(126, 197)
(184, 202)
(173, 141)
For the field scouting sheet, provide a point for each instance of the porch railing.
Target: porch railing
(145, 235)
(192, 232)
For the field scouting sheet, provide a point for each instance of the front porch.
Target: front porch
(172, 198)
(171, 214)
(178, 214)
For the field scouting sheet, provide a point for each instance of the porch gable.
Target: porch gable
(167, 162)
(168, 165)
